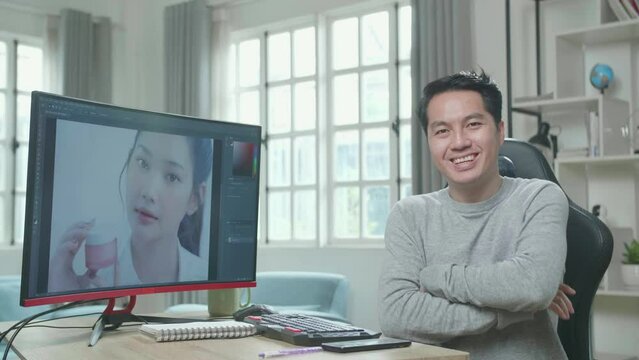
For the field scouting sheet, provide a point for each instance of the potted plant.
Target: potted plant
(630, 266)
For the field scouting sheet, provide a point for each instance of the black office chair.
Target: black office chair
(589, 247)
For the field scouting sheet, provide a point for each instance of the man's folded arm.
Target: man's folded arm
(529, 280)
(407, 312)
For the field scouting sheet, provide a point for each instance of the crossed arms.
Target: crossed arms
(435, 303)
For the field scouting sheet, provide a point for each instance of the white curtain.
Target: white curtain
(78, 55)
(187, 46)
(441, 45)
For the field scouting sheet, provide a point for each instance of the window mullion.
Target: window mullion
(12, 101)
(291, 108)
(394, 108)
(263, 96)
(7, 213)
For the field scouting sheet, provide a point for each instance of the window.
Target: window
(20, 73)
(337, 146)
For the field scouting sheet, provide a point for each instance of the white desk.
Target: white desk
(128, 343)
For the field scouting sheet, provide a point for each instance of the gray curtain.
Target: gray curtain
(187, 46)
(83, 59)
(441, 45)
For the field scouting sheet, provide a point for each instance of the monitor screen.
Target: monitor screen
(124, 202)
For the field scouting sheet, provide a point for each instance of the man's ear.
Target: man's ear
(197, 199)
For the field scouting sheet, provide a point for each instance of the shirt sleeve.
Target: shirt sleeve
(526, 282)
(408, 312)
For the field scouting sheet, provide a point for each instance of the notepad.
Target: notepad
(198, 330)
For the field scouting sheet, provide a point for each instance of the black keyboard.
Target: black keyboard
(307, 330)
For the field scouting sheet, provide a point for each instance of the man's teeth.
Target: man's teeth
(463, 159)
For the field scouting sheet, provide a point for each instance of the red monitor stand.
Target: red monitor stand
(111, 319)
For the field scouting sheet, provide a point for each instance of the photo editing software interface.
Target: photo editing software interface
(113, 192)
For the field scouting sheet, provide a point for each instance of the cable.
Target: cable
(57, 327)
(63, 317)
(4, 333)
(22, 323)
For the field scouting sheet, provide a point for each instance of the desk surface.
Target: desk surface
(127, 343)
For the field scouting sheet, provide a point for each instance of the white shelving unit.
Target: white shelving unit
(612, 179)
(612, 43)
(570, 114)
(615, 44)
(578, 51)
(611, 182)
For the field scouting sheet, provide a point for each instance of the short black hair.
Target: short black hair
(465, 80)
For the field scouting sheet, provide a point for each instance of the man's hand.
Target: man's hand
(561, 305)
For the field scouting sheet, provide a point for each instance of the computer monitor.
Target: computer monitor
(123, 202)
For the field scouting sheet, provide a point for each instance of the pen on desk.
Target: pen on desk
(285, 352)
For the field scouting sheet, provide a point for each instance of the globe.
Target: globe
(601, 76)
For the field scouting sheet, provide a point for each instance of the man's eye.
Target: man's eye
(441, 131)
(474, 124)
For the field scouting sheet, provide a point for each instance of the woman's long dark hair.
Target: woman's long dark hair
(190, 230)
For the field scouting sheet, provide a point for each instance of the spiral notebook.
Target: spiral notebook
(198, 330)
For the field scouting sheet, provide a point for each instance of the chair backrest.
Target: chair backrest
(314, 293)
(589, 248)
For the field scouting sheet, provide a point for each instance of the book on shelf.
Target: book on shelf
(619, 9)
(198, 330)
(629, 5)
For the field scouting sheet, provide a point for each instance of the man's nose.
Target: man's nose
(460, 140)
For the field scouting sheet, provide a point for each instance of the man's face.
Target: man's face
(463, 139)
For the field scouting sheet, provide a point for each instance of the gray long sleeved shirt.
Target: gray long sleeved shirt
(477, 277)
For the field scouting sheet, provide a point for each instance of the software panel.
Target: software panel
(122, 202)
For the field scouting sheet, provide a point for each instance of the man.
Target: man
(476, 265)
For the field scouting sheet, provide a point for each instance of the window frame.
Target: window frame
(263, 87)
(292, 134)
(324, 130)
(10, 193)
(392, 67)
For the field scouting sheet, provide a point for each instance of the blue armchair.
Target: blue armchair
(318, 294)
(312, 293)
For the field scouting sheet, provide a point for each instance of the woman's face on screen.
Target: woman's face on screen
(159, 185)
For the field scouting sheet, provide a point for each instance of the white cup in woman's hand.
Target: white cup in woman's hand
(100, 249)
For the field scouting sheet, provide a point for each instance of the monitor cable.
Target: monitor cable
(22, 323)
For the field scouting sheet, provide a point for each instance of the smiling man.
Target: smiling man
(474, 266)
